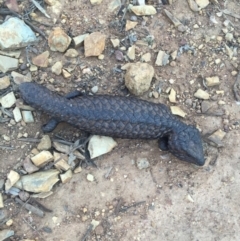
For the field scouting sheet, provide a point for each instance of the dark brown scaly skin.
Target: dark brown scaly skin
(120, 117)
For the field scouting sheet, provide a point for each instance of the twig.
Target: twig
(29, 140)
(118, 207)
(7, 147)
(124, 209)
(89, 230)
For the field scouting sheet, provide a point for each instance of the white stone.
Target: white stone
(99, 145)
(17, 114)
(8, 63)
(27, 116)
(8, 100)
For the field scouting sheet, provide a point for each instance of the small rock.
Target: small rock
(66, 74)
(24, 196)
(61, 164)
(45, 143)
(234, 73)
(41, 60)
(99, 145)
(217, 61)
(217, 137)
(33, 68)
(189, 198)
(174, 54)
(131, 52)
(229, 37)
(146, 57)
(177, 111)
(130, 25)
(142, 163)
(39, 181)
(229, 51)
(101, 56)
(58, 40)
(143, 10)
(17, 114)
(27, 116)
(8, 100)
(90, 177)
(172, 96)
(201, 94)
(9, 222)
(79, 40)
(119, 55)
(202, 3)
(94, 2)
(115, 42)
(57, 68)
(94, 44)
(138, 78)
(212, 81)
(12, 178)
(4, 82)
(29, 166)
(19, 78)
(77, 170)
(1, 201)
(61, 147)
(94, 89)
(95, 223)
(8, 63)
(71, 53)
(195, 26)
(65, 177)
(162, 59)
(15, 34)
(42, 158)
(6, 233)
(155, 94)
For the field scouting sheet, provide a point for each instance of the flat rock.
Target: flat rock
(130, 25)
(15, 34)
(138, 78)
(61, 147)
(79, 40)
(6, 233)
(94, 44)
(41, 60)
(146, 57)
(162, 58)
(144, 10)
(45, 143)
(61, 164)
(39, 181)
(99, 145)
(201, 94)
(12, 178)
(115, 42)
(58, 40)
(19, 78)
(29, 166)
(212, 81)
(17, 114)
(8, 100)
(4, 82)
(57, 68)
(71, 53)
(8, 63)
(66, 177)
(42, 158)
(176, 110)
(27, 116)
(142, 163)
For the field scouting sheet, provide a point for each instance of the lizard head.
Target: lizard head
(185, 144)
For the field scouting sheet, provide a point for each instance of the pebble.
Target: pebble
(212, 81)
(95, 2)
(79, 40)
(8, 64)
(27, 116)
(42, 158)
(67, 176)
(77, 170)
(57, 68)
(9, 222)
(201, 94)
(130, 25)
(33, 68)
(155, 94)
(143, 10)
(234, 73)
(99, 145)
(17, 114)
(94, 44)
(131, 52)
(229, 37)
(66, 74)
(19, 78)
(41, 60)
(94, 89)
(71, 53)
(146, 57)
(58, 40)
(39, 181)
(45, 143)
(142, 163)
(138, 77)
(217, 61)
(202, 3)
(12, 178)
(217, 137)
(195, 26)
(101, 56)
(172, 96)
(8, 100)
(174, 54)
(90, 177)
(115, 42)
(162, 58)
(177, 111)
(4, 82)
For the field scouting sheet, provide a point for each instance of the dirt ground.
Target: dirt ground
(170, 200)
